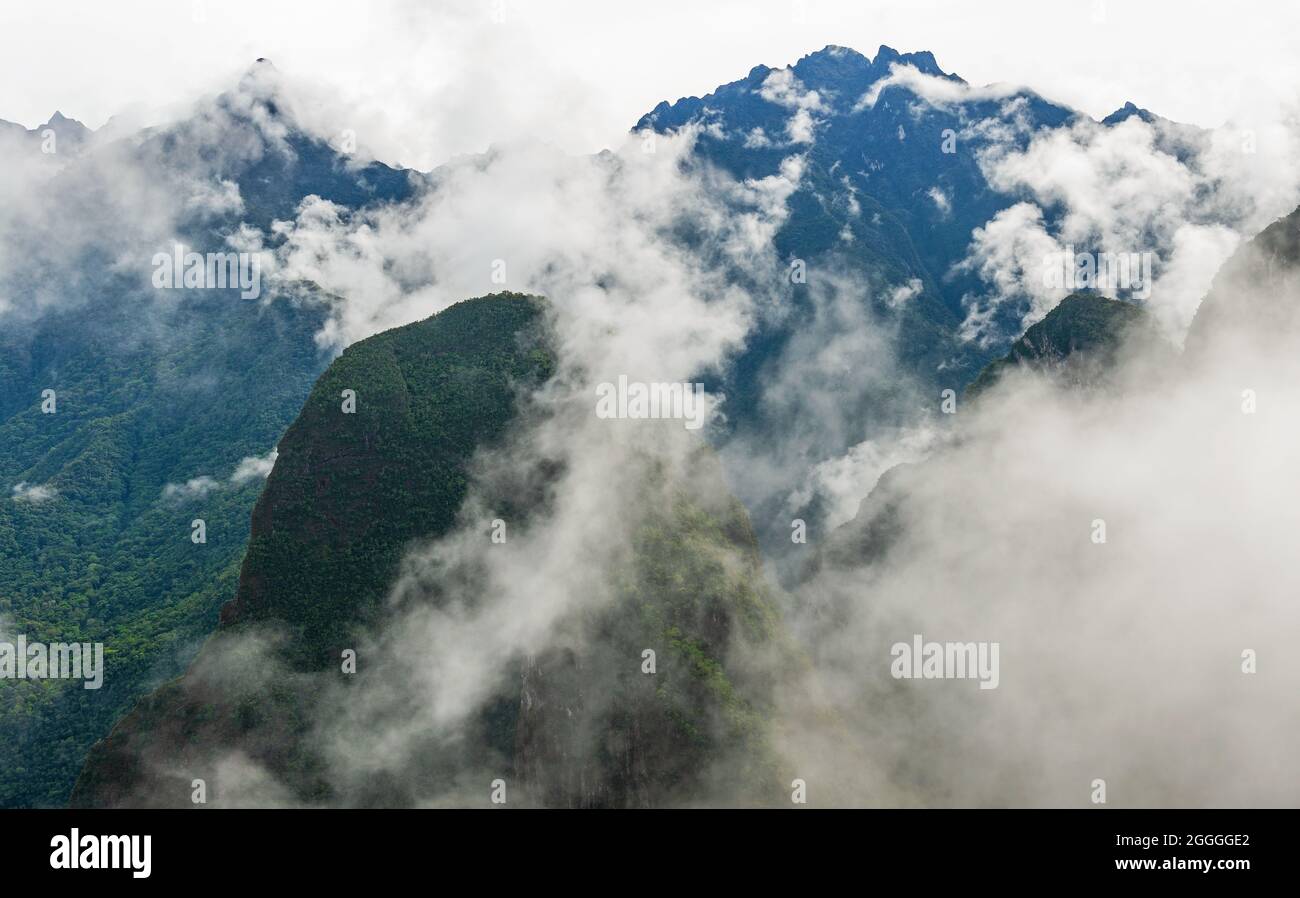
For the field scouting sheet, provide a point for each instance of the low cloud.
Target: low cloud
(1187, 196)
(784, 88)
(937, 91)
(254, 467)
(32, 493)
(1150, 658)
(250, 468)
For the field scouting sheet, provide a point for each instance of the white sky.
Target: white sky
(424, 80)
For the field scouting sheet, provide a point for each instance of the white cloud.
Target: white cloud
(254, 467)
(33, 493)
(1123, 189)
(940, 200)
(843, 481)
(194, 488)
(784, 89)
(587, 232)
(991, 539)
(250, 468)
(1009, 254)
(903, 293)
(937, 91)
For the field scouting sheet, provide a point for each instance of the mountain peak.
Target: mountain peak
(60, 120)
(835, 67)
(68, 129)
(262, 70)
(260, 84)
(849, 61)
(836, 51)
(1128, 111)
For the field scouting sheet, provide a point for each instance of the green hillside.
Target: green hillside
(350, 493)
(107, 555)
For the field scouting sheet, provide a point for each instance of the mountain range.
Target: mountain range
(206, 406)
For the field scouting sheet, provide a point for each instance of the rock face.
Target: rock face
(582, 725)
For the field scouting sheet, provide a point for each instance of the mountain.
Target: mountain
(1255, 296)
(170, 401)
(891, 186)
(1127, 111)
(350, 495)
(161, 396)
(347, 494)
(60, 136)
(1082, 344)
(247, 137)
(1252, 311)
(1078, 342)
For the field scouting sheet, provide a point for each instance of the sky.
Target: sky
(431, 80)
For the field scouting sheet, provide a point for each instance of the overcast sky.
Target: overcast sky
(430, 79)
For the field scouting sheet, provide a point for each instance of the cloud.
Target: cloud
(1009, 254)
(254, 467)
(1123, 660)
(940, 200)
(1186, 196)
(589, 232)
(32, 493)
(194, 488)
(784, 88)
(842, 481)
(903, 293)
(250, 468)
(89, 224)
(934, 90)
(834, 384)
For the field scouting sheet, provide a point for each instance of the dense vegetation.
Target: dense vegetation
(351, 493)
(108, 557)
(348, 494)
(152, 389)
